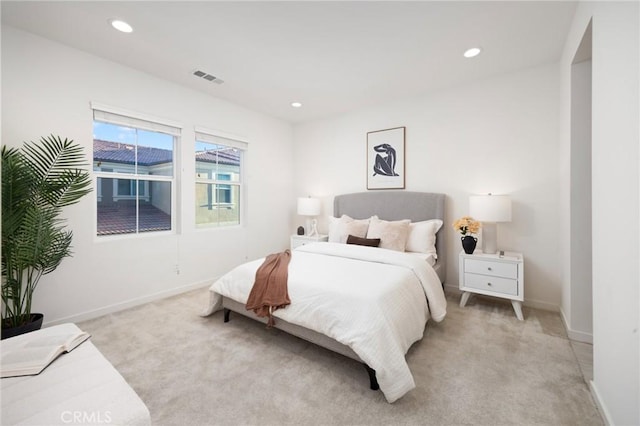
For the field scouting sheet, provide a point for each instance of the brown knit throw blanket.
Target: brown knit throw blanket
(270, 290)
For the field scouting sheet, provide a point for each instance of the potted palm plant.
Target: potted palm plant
(37, 182)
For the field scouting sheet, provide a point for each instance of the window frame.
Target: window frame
(215, 137)
(138, 121)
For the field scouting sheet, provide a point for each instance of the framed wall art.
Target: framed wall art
(385, 159)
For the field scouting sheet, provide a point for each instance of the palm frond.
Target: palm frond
(57, 165)
(71, 186)
(17, 185)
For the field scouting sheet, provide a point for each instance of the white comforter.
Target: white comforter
(370, 299)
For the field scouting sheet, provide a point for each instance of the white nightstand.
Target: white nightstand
(300, 240)
(492, 275)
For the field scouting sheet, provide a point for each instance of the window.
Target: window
(218, 179)
(133, 160)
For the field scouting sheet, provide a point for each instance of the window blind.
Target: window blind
(113, 116)
(203, 136)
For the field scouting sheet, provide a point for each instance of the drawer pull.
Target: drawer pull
(489, 269)
(489, 284)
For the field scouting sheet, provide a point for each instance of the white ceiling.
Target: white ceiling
(331, 56)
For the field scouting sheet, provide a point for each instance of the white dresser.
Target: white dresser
(493, 275)
(300, 240)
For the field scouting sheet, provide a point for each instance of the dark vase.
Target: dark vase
(469, 243)
(34, 324)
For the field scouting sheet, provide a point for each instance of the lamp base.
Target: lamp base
(314, 228)
(489, 237)
(311, 227)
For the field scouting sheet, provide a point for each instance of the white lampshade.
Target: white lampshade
(308, 206)
(490, 208)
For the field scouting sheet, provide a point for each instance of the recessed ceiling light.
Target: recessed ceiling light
(474, 51)
(121, 25)
(296, 104)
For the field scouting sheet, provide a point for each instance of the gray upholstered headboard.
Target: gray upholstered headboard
(397, 205)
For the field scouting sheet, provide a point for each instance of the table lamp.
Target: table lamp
(310, 207)
(490, 209)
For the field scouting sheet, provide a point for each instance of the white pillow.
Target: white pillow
(393, 235)
(341, 228)
(334, 232)
(422, 236)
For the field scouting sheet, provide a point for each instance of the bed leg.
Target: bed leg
(227, 312)
(372, 377)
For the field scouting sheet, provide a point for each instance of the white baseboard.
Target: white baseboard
(602, 408)
(578, 336)
(116, 307)
(536, 304)
(452, 289)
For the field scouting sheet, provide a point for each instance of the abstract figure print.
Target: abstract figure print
(385, 163)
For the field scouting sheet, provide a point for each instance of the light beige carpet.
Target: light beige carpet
(479, 367)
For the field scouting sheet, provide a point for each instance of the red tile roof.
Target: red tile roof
(117, 152)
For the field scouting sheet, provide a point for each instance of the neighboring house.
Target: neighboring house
(120, 157)
(117, 197)
(221, 165)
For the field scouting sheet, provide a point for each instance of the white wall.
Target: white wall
(47, 88)
(579, 312)
(615, 200)
(498, 135)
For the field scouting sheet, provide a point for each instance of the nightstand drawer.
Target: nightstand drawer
(494, 284)
(301, 240)
(295, 243)
(494, 269)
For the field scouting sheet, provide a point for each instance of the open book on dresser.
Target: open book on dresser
(30, 353)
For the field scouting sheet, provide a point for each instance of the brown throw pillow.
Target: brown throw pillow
(371, 242)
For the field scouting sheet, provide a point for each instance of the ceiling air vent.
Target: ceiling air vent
(208, 77)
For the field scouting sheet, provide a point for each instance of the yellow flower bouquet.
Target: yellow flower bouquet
(467, 225)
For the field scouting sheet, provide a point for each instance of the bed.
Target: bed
(367, 303)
